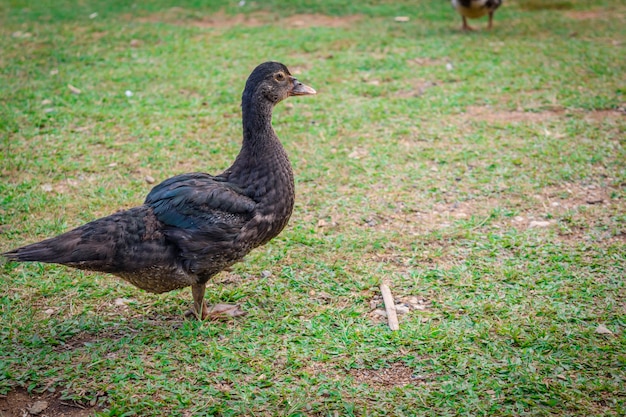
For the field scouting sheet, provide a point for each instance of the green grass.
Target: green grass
(424, 160)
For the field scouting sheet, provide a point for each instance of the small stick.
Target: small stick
(390, 307)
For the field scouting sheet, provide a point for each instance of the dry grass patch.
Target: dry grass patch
(491, 115)
(598, 14)
(181, 17)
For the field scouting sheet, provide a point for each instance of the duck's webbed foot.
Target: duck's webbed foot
(202, 311)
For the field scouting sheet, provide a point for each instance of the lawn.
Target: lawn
(482, 175)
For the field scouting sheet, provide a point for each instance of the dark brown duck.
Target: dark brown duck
(473, 9)
(192, 226)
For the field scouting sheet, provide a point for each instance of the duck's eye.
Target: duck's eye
(280, 76)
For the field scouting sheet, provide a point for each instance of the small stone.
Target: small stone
(402, 18)
(122, 301)
(379, 312)
(113, 164)
(266, 274)
(539, 223)
(46, 102)
(555, 204)
(38, 407)
(135, 43)
(93, 15)
(518, 219)
(449, 66)
(417, 303)
(20, 34)
(128, 93)
(594, 200)
(358, 153)
(149, 179)
(49, 311)
(602, 329)
(54, 71)
(47, 188)
(371, 222)
(402, 308)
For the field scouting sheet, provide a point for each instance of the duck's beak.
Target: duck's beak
(299, 89)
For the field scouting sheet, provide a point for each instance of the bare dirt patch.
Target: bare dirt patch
(428, 61)
(19, 403)
(572, 195)
(442, 215)
(319, 20)
(181, 17)
(603, 115)
(495, 115)
(416, 89)
(492, 115)
(396, 375)
(600, 14)
(584, 211)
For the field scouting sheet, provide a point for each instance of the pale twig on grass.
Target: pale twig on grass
(390, 307)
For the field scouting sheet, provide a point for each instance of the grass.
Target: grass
(430, 158)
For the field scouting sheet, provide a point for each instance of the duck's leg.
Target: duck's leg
(200, 309)
(466, 27)
(490, 20)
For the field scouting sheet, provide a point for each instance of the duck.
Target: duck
(474, 9)
(193, 226)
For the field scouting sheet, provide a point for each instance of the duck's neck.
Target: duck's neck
(258, 134)
(262, 156)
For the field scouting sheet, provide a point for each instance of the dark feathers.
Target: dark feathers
(197, 200)
(472, 9)
(192, 226)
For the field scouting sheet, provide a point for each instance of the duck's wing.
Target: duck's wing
(198, 200)
(202, 215)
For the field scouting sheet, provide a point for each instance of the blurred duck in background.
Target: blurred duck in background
(473, 9)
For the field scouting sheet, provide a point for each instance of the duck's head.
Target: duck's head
(273, 82)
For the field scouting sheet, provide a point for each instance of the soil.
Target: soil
(492, 115)
(220, 20)
(19, 403)
(397, 375)
(599, 14)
